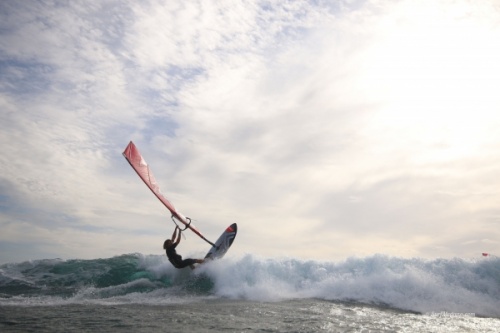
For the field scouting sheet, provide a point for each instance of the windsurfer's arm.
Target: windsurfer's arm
(173, 235)
(177, 241)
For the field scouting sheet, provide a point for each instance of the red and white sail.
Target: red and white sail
(140, 166)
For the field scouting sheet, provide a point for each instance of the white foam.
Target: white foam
(411, 284)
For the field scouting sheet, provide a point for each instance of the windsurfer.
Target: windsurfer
(170, 244)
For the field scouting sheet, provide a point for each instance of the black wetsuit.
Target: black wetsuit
(176, 259)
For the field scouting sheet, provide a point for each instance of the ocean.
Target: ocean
(144, 293)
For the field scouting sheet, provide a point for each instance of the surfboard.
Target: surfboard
(223, 243)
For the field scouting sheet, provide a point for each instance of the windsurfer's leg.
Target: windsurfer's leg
(187, 262)
(191, 262)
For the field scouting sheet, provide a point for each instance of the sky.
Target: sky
(325, 129)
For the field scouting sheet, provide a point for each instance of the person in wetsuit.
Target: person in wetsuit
(170, 244)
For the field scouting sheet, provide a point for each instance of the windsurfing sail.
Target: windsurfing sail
(137, 162)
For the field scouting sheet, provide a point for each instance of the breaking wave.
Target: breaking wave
(418, 285)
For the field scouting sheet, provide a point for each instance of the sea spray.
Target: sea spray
(411, 284)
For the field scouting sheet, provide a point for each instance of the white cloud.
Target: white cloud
(324, 132)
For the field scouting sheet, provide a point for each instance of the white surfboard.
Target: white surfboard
(223, 243)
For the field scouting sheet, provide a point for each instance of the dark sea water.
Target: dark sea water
(143, 293)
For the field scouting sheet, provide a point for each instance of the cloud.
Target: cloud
(324, 130)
